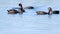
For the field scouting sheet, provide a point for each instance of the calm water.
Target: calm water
(29, 22)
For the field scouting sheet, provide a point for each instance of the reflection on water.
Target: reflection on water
(29, 22)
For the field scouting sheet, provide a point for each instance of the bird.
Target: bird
(50, 11)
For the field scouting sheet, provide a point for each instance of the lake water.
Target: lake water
(29, 22)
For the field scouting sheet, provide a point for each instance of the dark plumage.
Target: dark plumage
(50, 11)
(21, 9)
(29, 7)
(41, 12)
(56, 12)
(12, 11)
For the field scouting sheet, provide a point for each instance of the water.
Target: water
(29, 22)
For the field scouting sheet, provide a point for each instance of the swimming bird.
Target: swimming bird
(50, 11)
(53, 11)
(13, 11)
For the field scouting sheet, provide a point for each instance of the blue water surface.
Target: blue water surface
(29, 22)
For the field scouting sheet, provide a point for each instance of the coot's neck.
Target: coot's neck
(21, 6)
(50, 11)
